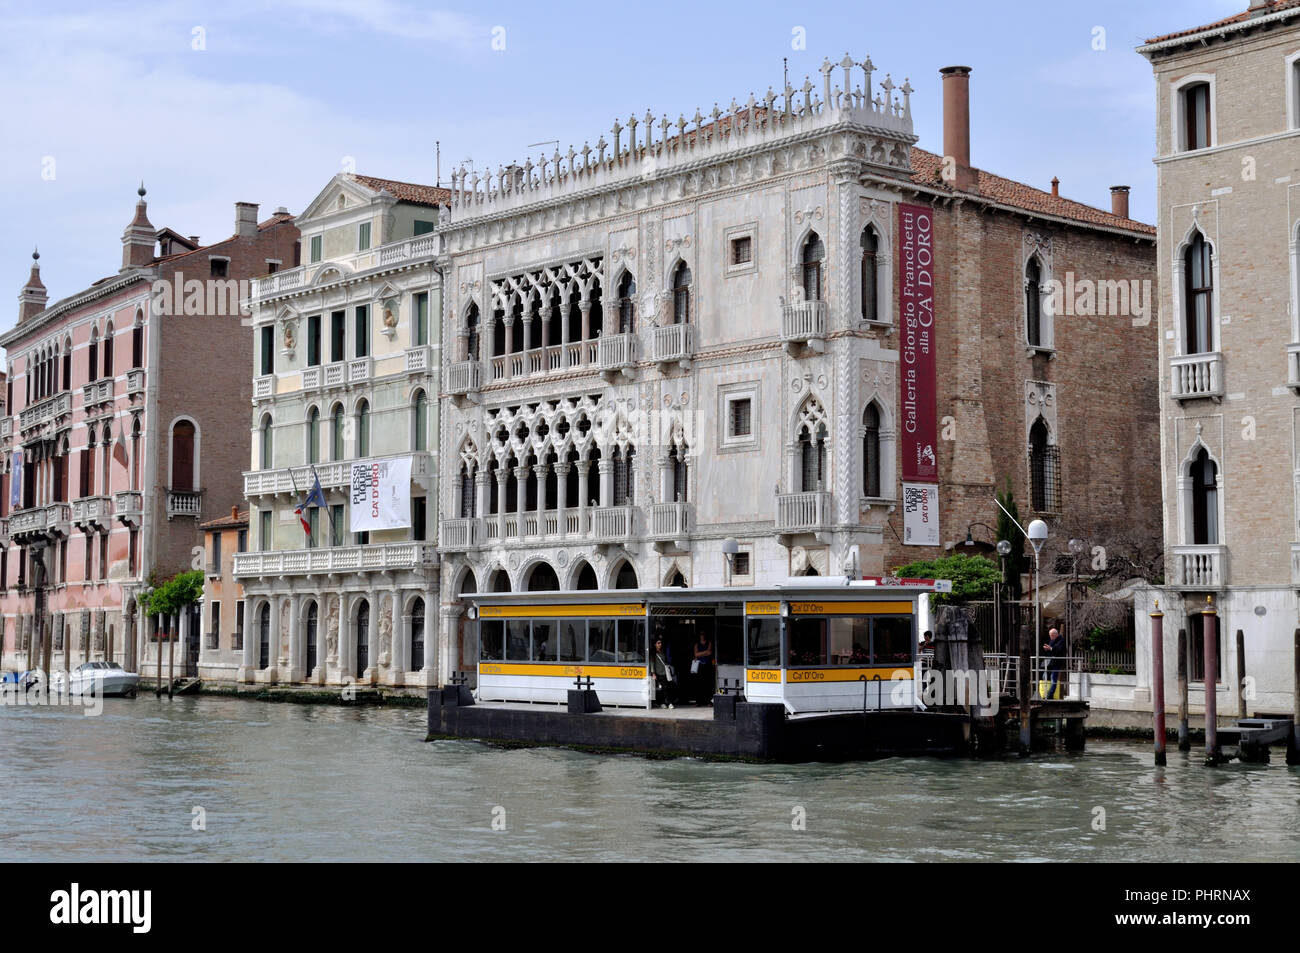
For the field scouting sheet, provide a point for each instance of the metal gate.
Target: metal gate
(363, 638)
(192, 637)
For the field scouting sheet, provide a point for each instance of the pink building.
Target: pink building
(124, 426)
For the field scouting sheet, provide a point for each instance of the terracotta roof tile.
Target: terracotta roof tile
(406, 191)
(1242, 17)
(926, 168)
(231, 520)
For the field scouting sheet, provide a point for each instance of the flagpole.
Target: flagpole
(328, 512)
(294, 481)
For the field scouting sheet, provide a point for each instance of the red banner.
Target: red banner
(916, 379)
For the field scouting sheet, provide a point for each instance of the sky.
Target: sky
(209, 103)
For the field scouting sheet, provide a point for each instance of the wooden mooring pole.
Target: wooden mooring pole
(1022, 691)
(1209, 626)
(1184, 738)
(1293, 749)
(1241, 674)
(1158, 681)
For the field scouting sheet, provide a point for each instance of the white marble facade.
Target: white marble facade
(663, 342)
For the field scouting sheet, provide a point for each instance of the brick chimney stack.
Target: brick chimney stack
(1258, 7)
(245, 219)
(139, 239)
(1119, 200)
(32, 299)
(1056, 186)
(956, 125)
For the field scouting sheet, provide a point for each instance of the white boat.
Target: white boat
(101, 678)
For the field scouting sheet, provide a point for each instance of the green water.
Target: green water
(290, 782)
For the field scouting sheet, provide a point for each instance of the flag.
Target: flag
(315, 497)
(16, 480)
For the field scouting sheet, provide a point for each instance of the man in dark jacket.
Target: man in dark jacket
(1055, 649)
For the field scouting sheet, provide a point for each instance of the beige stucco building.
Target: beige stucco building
(1228, 167)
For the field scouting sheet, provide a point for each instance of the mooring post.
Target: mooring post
(1209, 626)
(1184, 737)
(1241, 674)
(1158, 681)
(1022, 689)
(1293, 749)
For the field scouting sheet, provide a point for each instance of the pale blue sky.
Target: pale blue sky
(282, 93)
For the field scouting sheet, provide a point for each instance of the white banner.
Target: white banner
(381, 494)
(920, 514)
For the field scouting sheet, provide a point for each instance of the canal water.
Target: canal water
(284, 782)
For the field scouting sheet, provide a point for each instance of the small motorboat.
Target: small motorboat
(101, 678)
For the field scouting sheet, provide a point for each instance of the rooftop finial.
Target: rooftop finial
(140, 190)
(36, 254)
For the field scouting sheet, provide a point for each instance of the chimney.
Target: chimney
(956, 124)
(139, 238)
(194, 239)
(1056, 187)
(1119, 200)
(1259, 7)
(32, 299)
(245, 219)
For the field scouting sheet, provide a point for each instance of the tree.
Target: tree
(1008, 530)
(172, 596)
(972, 576)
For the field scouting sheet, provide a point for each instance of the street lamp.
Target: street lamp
(970, 540)
(1037, 534)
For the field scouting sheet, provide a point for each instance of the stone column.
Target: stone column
(249, 663)
(434, 644)
(343, 661)
(545, 316)
(583, 467)
(449, 650)
(483, 492)
(399, 653)
(293, 665)
(372, 636)
(521, 495)
(561, 489)
(585, 307)
(503, 474)
(606, 469)
(510, 342)
(539, 470)
(665, 478)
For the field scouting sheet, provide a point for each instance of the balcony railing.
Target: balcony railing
(803, 321)
(311, 377)
(135, 381)
(335, 374)
(614, 352)
(128, 504)
(612, 523)
(359, 369)
(464, 377)
(803, 512)
(1293, 366)
(336, 474)
(461, 534)
(92, 511)
(417, 360)
(673, 342)
(52, 518)
(6, 427)
(50, 408)
(1200, 567)
(671, 520)
(96, 392)
(1196, 375)
(184, 503)
(263, 387)
(376, 558)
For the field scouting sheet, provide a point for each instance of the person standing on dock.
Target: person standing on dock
(665, 678)
(1055, 648)
(702, 671)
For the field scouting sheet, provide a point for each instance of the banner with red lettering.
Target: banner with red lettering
(916, 377)
(381, 494)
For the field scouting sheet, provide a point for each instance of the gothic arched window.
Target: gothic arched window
(1205, 500)
(1034, 303)
(1199, 293)
(871, 451)
(870, 293)
(814, 259)
(682, 294)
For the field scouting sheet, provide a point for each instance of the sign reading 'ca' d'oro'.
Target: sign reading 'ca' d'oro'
(381, 494)
(916, 322)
